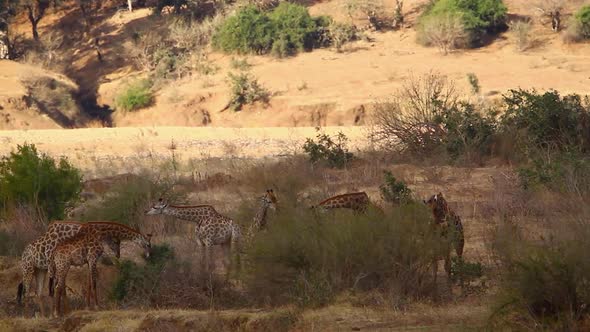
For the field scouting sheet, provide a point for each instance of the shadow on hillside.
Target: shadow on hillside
(89, 69)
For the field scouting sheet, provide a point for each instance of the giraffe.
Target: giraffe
(268, 200)
(35, 257)
(86, 248)
(447, 219)
(358, 202)
(211, 228)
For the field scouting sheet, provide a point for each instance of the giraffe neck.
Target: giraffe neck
(196, 213)
(260, 216)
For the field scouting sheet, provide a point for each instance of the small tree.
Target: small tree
(445, 31)
(394, 191)
(35, 11)
(408, 121)
(331, 151)
(551, 9)
(37, 180)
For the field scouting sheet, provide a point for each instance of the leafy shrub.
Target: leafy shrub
(582, 17)
(141, 281)
(295, 29)
(308, 259)
(286, 30)
(478, 16)
(37, 180)
(136, 96)
(547, 120)
(394, 191)
(249, 31)
(331, 151)
(245, 89)
(561, 172)
(468, 132)
(464, 271)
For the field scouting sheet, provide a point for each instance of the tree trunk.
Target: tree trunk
(130, 5)
(34, 21)
(35, 33)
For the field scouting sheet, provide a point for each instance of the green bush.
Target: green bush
(136, 95)
(249, 31)
(37, 180)
(245, 89)
(469, 134)
(141, 281)
(331, 151)
(582, 17)
(286, 30)
(547, 120)
(308, 259)
(560, 172)
(394, 191)
(478, 16)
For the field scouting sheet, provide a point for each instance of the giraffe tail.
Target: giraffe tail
(19, 293)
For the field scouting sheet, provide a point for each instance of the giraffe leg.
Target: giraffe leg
(94, 276)
(88, 289)
(40, 278)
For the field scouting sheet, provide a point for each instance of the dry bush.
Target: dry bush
(309, 259)
(373, 10)
(522, 32)
(573, 32)
(445, 31)
(544, 274)
(406, 122)
(22, 225)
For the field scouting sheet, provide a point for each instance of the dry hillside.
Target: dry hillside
(323, 87)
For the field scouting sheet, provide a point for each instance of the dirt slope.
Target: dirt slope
(322, 87)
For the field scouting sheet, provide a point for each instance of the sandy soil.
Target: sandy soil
(87, 148)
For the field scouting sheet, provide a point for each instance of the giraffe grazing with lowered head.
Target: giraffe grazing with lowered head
(211, 227)
(268, 200)
(358, 202)
(87, 248)
(450, 226)
(35, 257)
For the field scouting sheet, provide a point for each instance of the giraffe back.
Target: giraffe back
(358, 201)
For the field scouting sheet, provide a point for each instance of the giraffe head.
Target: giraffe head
(270, 199)
(438, 205)
(157, 208)
(115, 245)
(145, 242)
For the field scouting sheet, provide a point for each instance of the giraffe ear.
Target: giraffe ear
(440, 194)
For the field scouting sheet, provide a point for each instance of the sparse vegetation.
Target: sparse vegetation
(135, 96)
(332, 151)
(474, 83)
(522, 32)
(245, 89)
(309, 259)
